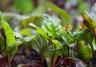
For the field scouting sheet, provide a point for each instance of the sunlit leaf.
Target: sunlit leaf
(51, 27)
(43, 33)
(8, 32)
(56, 44)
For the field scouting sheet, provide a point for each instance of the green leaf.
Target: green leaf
(68, 37)
(90, 18)
(24, 6)
(51, 26)
(27, 39)
(33, 25)
(64, 15)
(94, 44)
(8, 32)
(56, 44)
(10, 51)
(88, 21)
(85, 35)
(83, 6)
(26, 32)
(39, 11)
(37, 20)
(84, 51)
(17, 43)
(42, 32)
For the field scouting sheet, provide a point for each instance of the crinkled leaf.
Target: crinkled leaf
(51, 27)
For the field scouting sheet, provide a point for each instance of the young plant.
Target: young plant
(8, 41)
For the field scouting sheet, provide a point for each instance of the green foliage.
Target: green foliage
(10, 38)
(36, 19)
(89, 22)
(56, 44)
(84, 51)
(66, 18)
(8, 43)
(52, 27)
(85, 35)
(24, 6)
(68, 37)
(45, 33)
(90, 19)
(42, 33)
(26, 32)
(82, 6)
